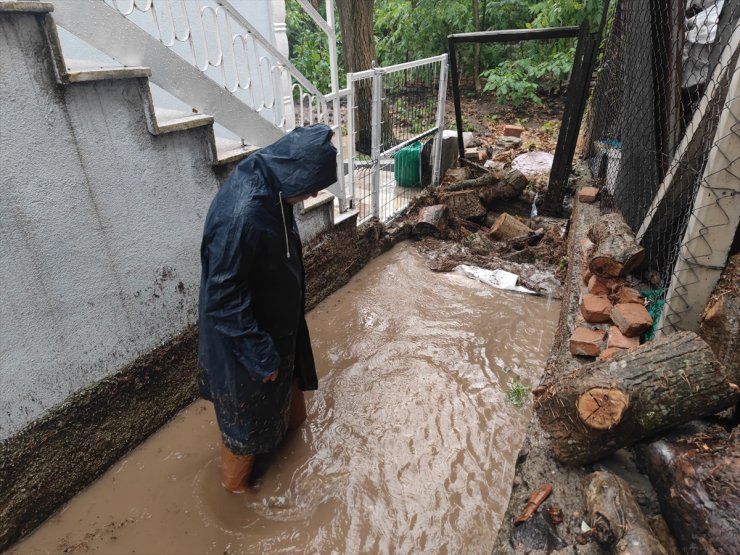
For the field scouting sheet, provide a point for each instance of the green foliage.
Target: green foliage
(309, 49)
(517, 394)
(412, 29)
(540, 66)
(563, 263)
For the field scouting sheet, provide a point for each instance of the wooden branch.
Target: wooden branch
(616, 519)
(616, 253)
(598, 408)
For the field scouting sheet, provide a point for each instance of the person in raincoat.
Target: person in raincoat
(254, 349)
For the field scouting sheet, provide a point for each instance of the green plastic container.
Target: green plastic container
(407, 169)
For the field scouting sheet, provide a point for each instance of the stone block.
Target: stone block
(508, 142)
(624, 295)
(631, 318)
(603, 286)
(619, 340)
(587, 194)
(596, 309)
(587, 342)
(513, 130)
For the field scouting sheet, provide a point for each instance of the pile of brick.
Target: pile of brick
(612, 314)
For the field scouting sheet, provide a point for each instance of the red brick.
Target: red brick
(609, 352)
(513, 130)
(603, 286)
(628, 295)
(587, 342)
(631, 318)
(587, 194)
(619, 340)
(596, 309)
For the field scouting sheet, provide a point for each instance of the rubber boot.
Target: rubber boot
(235, 470)
(297, 407)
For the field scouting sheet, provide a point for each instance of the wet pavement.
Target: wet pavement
(409, 446)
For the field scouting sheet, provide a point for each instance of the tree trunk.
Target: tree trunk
(464, 204)
(616, 518)
(720, 322)
(476, 53)
(358, 44)
(617, 253)
(600, 407)
(698, 486)
(508, 227)
(432, 220)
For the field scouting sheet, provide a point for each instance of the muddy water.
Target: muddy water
(409, 445)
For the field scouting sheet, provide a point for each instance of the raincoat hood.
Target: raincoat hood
(300, 163)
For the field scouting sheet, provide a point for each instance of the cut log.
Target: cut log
(526, 240)
(432, 220)
(616, 252)
(511, 186)
(720, 322)
(697, 480)
(464, 204)
(616, 519)
(508, 227)
(598, 408)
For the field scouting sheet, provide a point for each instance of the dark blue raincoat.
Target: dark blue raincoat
(251, 313)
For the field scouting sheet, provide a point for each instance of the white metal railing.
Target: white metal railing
(372, 182)
(207, 54)
(214, 37)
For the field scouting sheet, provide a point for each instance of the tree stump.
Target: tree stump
(600, 407)
(465, 204)
(616, 253)
(511, 186)
(432, 220)
(697, 479)
(508, 227)
(616, 519)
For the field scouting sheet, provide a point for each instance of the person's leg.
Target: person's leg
(235, 470)
(297, 407)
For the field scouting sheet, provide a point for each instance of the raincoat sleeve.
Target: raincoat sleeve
(228, 302)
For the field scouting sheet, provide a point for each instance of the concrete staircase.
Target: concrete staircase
(103, 202)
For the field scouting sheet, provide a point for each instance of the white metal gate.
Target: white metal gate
(391, 112)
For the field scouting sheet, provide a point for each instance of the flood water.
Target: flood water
(409, 446)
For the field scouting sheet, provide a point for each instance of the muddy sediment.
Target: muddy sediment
(56, 456)
(409, 446)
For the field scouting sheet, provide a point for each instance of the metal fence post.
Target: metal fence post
(377, 102)
(351, 137)
(442, 97)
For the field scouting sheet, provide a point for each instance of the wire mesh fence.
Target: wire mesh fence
(397, 113)
(662, 140)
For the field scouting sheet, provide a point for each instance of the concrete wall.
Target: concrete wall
(101, 225)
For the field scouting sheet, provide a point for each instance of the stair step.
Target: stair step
(169, 120)
(324, 197)
(26, 7)
(231, 150)
(86, 75)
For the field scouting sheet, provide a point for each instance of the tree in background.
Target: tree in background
(395, 31)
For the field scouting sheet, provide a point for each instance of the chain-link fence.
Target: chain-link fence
(662, 141)
(398, 111)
